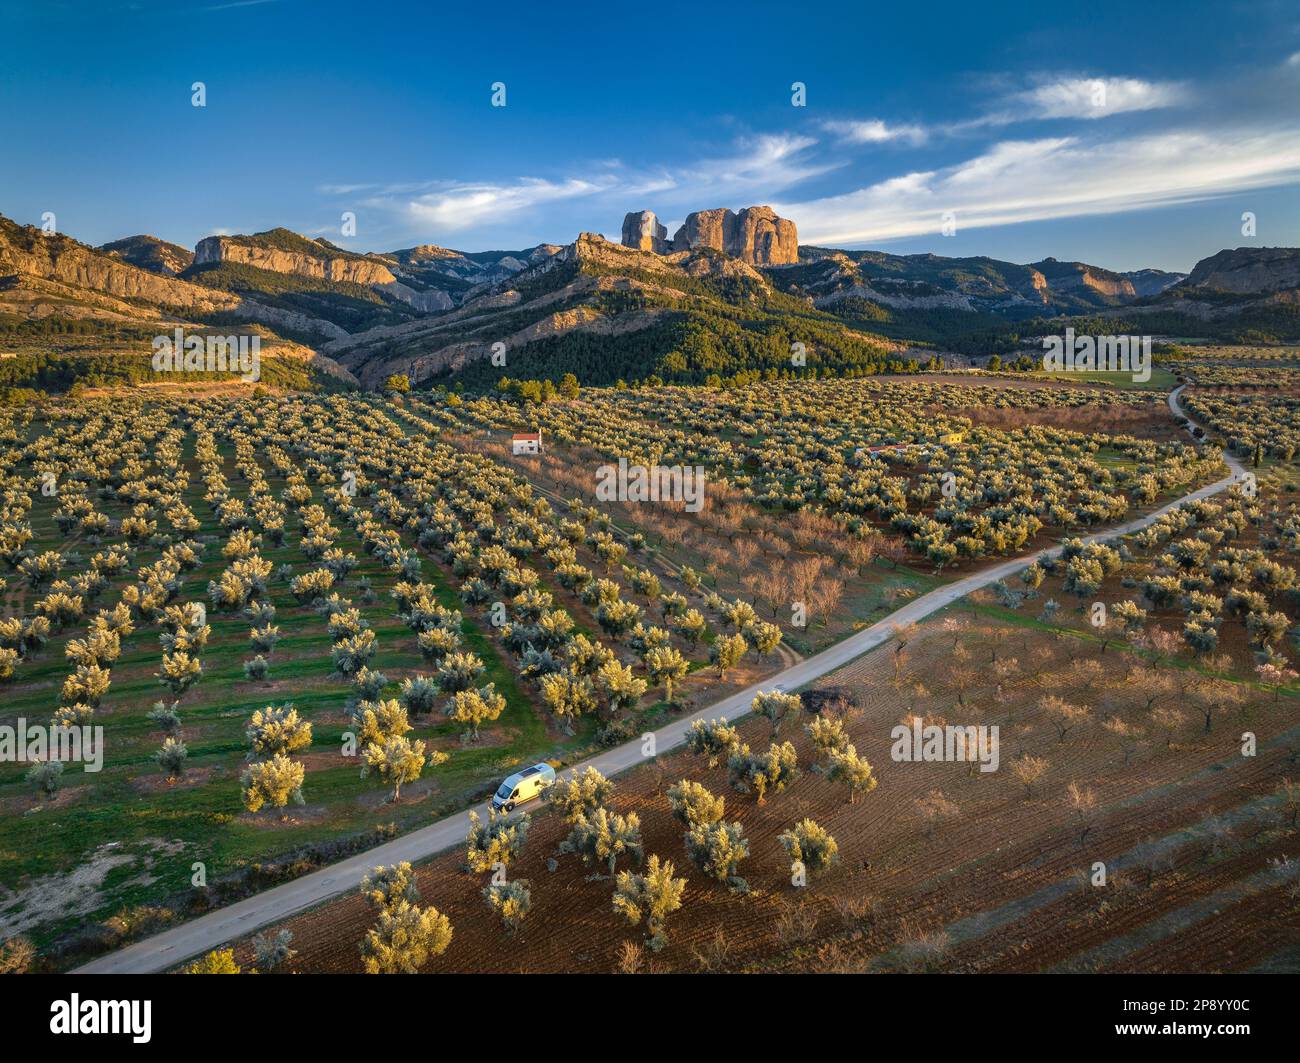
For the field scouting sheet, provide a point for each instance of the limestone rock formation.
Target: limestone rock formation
(148, 252)
(25, 250)
(1248, 270)
(755, 235)
(317, 262)
(643, 232)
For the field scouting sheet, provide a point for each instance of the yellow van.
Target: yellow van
(523, 786)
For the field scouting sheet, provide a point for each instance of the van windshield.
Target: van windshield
(504, 791)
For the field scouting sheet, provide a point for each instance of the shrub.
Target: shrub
(511, 900)
(171, 757)
(273, 782)
(763, 773)
(653, 895)
(495, 843)
(810, 845)
(404, 939)
(219, 961)
(693, 803)
(272, 950)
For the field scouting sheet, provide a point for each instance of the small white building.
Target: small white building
(526, 442)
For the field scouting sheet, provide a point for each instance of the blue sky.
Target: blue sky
(1120, 134)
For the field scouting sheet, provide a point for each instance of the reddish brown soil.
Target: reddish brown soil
(895, 881)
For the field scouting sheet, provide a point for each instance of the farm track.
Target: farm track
(172, 947)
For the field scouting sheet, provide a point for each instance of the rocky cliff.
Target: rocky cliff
(1077, 277)
(643, 232)
(1147, 282)
(754, 235)
(303, 257)
(1248, 271)
(25, 249)
(148, 252)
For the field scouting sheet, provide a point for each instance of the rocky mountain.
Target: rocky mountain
(608, 312)
(60, 296)
(1251, 294)
(642, 232)
(53, 270)
(1079, 278)
(1148, 282)
(832, 278)
(148, 252)
(450, 277)
(729, 293)
(283, 251)
(754, 235)
(1248, 271)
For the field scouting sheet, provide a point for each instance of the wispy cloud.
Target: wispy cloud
(874, 131)
(464, 206)
(1077, 97)
(755, 166)
(1037, 180)
(1226, 144)
(1083, 97)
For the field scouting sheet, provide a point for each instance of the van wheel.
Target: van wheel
(510, 806)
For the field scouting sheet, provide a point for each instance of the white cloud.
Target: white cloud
(757, 165)
(1081, 97)
(874, 131)
(1071, 97)
(762, 163)
(463, 206)
(1037, 180)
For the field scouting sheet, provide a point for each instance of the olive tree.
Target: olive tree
(810, 845)
(386, 887)
(579, 794)
(496, 842)
(273, 782)
(171, 757)
(277, 729)
(693, 803)
(473, 707)
(715, 739)
(511, 900)
(604, 836)
(727, 652)
(398, 761)
(404, 939)
(844, 765)
(776, 708)
(653, 894)
(666, 665)
(717, 849)
(763, 773)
